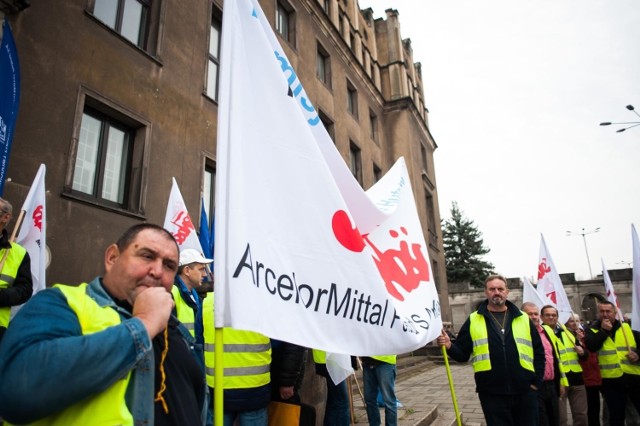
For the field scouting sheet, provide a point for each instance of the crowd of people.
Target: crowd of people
(527, 365)
(136, 345)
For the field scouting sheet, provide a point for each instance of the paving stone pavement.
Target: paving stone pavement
(422, 389)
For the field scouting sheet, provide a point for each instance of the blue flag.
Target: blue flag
(9, 97)
(205, 234)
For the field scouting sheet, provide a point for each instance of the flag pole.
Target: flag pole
(218, 389)
(451, 388)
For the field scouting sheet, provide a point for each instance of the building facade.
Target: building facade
(118, 97)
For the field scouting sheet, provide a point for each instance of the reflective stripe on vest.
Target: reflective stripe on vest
(184, 312)
(571, 361)
(558, 349)
(612, 356)
(480, 338)
(108, 407)
(246, 354)
(8, 276)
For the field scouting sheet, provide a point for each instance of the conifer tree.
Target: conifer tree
(464, 249)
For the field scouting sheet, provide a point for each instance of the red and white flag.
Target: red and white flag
(549, 284)
(635, 286)
(608, 287)
(529, 294)
(33, 232)
(178, 222)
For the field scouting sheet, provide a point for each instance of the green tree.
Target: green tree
(463, 250)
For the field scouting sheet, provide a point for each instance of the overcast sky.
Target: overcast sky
(516, 92)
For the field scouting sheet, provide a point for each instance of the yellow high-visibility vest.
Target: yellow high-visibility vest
(184, 312)
(8, 276)
(246, 354)
(612, 356)
(480, 338)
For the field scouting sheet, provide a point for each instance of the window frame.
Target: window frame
(144, 25)
(213, 59)
(323, 57)
(355, 161)
(285, 13)
(352, 99)
(137, 166)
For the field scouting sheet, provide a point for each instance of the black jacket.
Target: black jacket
(287, 367)
(507, 376)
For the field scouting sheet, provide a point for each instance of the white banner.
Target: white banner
(635, 286)
(303, 254)
(608, 287)
(549, 284)
(178, 222)
(529, 294)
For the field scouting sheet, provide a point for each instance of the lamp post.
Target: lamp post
(584, 239)
(633, 123)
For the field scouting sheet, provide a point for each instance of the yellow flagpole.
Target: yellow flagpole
(453, 391)
(218, 389)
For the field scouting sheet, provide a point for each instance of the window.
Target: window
(323, 66)
(102, 158)
(352, 100)
(328, 124)
(214, 59)
(285, 22)
(341, 18)
(373, 125)
(377, 173)
(431, 214)
(108, 156)
(423, 154)
(129, 18)
(355, 163)
(209, 191)
(326, 6)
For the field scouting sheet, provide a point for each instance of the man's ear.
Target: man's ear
(110, 256)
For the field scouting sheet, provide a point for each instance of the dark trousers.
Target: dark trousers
(616, 392)
(593, 405)
(548, 404)
(508, 410)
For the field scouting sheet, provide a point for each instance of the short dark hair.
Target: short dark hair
(495, 277)
(130, 234)
(606, 302)
(547, 307)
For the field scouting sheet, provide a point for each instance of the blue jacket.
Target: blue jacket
(42, 372)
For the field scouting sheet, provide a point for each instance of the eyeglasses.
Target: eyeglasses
(550, 315)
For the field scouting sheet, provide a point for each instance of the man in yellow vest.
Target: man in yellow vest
(617, 347)
(507, 357)
(379, 374)
(16, 283)
(191, 272)
(246, 370)
(572, 352)
(554, 380)
(106, 352)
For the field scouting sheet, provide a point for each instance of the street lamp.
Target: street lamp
(583, 233)
(634, 123)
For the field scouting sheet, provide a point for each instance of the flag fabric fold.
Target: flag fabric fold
(635, 286)
(178, 222)
(549, 284)
(608, 287)
(327, 264)
(529, 294)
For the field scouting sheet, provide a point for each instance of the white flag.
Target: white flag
(324, 263)
(635, 286)
(549, 284)
(178, 222)
(608, 287)
(33, 232)
(529, 294)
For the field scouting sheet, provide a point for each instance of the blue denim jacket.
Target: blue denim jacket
(47, 364)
